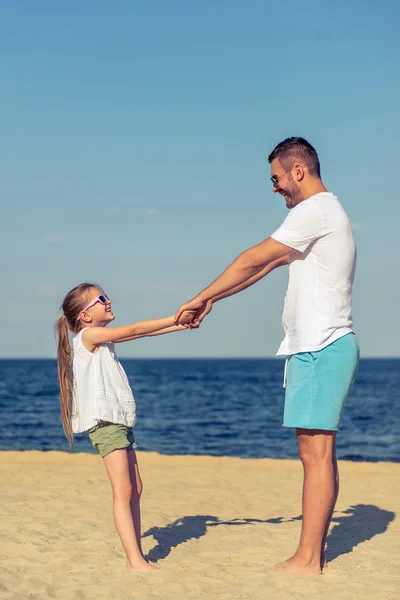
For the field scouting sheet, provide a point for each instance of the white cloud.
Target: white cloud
(151, 212)
(50, 238)
(48, 290)
(13, 313)
(160, 289)
(357, 226)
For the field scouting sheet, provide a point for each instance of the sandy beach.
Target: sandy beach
(215, 526)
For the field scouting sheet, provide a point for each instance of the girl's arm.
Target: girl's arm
(160, 332)
(95, 336)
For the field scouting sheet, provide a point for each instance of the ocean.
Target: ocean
(219, 407)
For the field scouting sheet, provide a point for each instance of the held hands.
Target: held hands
(186, 318)
(195, 310)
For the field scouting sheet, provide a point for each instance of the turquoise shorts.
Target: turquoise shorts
(318, 383)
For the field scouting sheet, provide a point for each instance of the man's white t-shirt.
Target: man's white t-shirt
(321, 271)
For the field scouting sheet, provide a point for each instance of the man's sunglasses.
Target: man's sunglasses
(275, 178)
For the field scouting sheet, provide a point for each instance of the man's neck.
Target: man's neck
(312, 188)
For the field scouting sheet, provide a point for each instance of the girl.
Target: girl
(95, 397)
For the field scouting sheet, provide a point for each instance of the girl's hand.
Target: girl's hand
(196, 315)
(187, 317)
(194, 306)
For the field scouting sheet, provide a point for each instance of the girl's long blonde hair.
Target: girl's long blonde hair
(73, 303)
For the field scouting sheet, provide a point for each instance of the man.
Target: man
(321, 350)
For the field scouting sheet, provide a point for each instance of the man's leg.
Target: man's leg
(336, 470)
(316, 449)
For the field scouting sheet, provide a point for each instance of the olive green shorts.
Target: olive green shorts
(107, 437)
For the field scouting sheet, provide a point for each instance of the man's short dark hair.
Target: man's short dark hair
(297, 148)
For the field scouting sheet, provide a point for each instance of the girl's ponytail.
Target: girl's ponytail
(64, 355)
(73, 303)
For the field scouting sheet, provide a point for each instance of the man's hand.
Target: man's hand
(198, 308)
(187, 318)
(200, 314)
(195, 305)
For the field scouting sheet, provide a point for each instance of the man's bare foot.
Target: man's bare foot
(140, 567)
(299, 567)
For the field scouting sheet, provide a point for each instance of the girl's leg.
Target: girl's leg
(137, 488)
(117, 465)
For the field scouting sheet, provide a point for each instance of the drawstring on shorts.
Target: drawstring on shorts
(285, 371)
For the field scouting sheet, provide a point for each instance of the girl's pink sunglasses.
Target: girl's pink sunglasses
(101, 298)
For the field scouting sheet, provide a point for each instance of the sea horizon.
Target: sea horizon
(220, 406)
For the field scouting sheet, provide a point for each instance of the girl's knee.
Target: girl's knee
(123, 492)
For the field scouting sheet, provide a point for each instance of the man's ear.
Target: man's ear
(298, 172)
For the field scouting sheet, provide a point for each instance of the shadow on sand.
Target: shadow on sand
(358, 524)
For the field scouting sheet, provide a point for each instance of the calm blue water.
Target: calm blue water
(215, 407)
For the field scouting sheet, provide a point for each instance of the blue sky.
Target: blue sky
(134, 144)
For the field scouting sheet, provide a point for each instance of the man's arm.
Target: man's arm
(207, 306)
(252, 280)
(245, 270)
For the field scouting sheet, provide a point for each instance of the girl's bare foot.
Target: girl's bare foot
(140, 567)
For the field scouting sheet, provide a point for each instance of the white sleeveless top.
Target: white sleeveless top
(101, 390)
